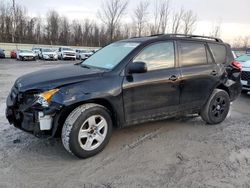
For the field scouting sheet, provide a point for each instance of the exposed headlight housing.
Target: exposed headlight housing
(45, 98)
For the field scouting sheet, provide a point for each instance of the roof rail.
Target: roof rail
(191, 36)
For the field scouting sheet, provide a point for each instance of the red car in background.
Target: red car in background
(13, 54)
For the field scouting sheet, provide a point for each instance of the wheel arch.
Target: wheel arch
(223, 87)
(64, 113)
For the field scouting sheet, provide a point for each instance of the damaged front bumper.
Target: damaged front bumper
(31, 118)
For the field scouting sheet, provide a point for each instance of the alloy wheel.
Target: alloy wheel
(92, 132)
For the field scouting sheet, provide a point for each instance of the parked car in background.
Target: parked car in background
(48, 54)
(36, 51)
(125, 83)
(2, 54)
(248, 51)
(66, 53)
(83, 54)
(26, 55)
(13, 54)
(244, 60)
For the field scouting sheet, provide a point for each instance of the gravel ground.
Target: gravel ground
(172, 153)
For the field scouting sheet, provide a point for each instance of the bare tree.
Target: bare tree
(38, 30)
(52, 29)
(14, 18)
(164, 15)
(111, 14)
(246, 41)
(216, 30)
(140, 16)
(161, 16)
(64, 35)
(176, 22)
(189, 20)
(86, 31)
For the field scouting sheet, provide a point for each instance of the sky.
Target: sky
(234, 16)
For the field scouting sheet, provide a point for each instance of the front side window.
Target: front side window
(192, 53)
(157, 56)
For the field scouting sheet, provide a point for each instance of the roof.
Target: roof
(174, 36)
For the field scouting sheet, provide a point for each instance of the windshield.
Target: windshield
(243, 58)
(26, 51)
(83, 51)
(111, 55)
(67, 49)
(47, 50)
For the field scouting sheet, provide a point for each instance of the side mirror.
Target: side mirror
(137, 67)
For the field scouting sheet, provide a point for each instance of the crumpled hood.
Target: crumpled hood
(56, 77)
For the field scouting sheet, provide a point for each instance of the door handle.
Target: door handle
(214, 73)
(173, 78)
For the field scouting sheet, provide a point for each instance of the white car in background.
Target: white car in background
(66, 53)
(48, 54)
(36, 51)
(83, 54)
(244, 60)
(26, 55)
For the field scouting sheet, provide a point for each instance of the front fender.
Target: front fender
(71, 96)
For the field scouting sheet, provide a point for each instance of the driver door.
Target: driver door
(155, 93)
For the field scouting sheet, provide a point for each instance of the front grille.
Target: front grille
(51, 55)
(245, 75)
(70, 54)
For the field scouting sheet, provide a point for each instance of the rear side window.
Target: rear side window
(157, 56)
(219, 52)
(192, 53)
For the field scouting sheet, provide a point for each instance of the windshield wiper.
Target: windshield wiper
(78, 63)
(93, 67)
(86, 66)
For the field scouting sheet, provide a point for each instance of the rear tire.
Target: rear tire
(87, 130)
(217, 107)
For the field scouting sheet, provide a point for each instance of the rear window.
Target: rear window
(192, 53)
(219, 52)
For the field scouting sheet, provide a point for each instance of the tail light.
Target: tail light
(237, 65)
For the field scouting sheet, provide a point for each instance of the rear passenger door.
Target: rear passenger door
(199, 74)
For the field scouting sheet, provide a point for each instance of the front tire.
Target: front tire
(217, 107)
(87, 130)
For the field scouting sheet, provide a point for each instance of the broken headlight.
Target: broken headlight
(45, 98)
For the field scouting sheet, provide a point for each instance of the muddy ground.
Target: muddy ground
(171, 153)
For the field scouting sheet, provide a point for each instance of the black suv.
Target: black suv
(125, 83)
